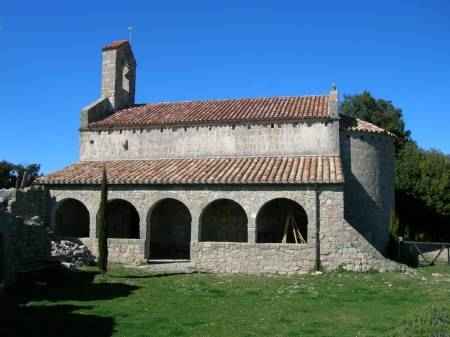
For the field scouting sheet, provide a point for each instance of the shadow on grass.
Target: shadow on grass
(54, 321)
(21, 316)
(155, 275)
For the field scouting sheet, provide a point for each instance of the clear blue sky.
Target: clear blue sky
(50, 60)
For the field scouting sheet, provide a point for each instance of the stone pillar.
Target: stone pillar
(195, 224)
(92, 223)
(317, 263)
(142, 224)
(251, 234)
(143, 231)
(312, 213)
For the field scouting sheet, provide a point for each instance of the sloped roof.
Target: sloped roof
(242, 170)
(218, 112)
(355, 124)
(115, 44)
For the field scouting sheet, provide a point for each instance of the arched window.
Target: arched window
(223, 220)
(72, 219)
(122, 219)
(170, 230)
(276, 219)
(126, 78)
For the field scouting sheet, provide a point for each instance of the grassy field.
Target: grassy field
(131, 303)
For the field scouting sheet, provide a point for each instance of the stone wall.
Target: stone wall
(368, 163)
(8, 262)
(120, 250)
(26, 203)
(31, 202)
(25, 245)
(317, 138)
(233, 257)
(33, 243)
(340, 245)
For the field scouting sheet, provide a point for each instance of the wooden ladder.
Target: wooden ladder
(291, 223)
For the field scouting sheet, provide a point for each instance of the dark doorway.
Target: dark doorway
(223, 220)
(72, 219)
(122, 219)
(170, 230)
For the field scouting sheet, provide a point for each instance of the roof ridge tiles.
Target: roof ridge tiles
(220, 111)
(212, 100)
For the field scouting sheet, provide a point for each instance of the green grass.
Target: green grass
(131, 303)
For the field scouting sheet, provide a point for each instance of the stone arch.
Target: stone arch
(223, 220)
(169, 230)
(71, 218)
(122, 219)
(271, 219)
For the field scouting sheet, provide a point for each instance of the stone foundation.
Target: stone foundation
(230, 257)
(120, 250)
(233, 257)
(255, 258)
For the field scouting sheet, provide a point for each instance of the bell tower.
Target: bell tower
(118, 83)
(118, 74)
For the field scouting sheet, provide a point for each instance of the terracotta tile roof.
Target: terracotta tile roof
(354, 124)
(218, 111)
(115, 44)
(243, 170)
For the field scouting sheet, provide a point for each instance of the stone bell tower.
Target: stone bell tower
(118, 83)
(118, 74)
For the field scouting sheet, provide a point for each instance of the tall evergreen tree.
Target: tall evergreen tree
(102, 226)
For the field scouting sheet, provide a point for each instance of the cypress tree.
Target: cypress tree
(102, 226)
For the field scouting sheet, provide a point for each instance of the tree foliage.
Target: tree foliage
(377, 111)
(102, 226)
(422, 181)
(17, 175)
(423, 193)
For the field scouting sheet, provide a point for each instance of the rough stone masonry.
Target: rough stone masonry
(214, 181)
(24, 242)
